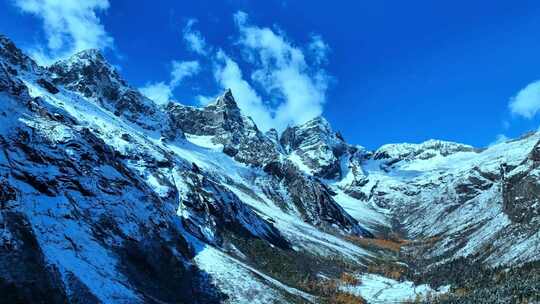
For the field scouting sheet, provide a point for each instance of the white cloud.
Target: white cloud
(183, 69)
(283, 85)
(229, 76)
(162, 92)
(194, 39)
(499, 139)
(527, 101)
(204, 100)
(159, 92)
(319, 49)
(281, 70)
(70, 26)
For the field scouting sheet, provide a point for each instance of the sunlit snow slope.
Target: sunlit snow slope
(107, 197)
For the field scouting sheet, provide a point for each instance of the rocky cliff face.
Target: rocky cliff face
(76, 217)
(89, 74)
(317, 146)
(223, 122)
(521, 190)
(97, 208)
(106, 197)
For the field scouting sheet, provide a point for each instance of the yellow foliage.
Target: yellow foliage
(349, 279)
(392, 245)
(346, 298)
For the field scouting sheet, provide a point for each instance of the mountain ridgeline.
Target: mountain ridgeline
(108, 197)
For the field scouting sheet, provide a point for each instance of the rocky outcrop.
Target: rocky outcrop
(88, 73)
(223, 121)
(317, 146)
(312, 199)
(74, 216)
(521, 189)
(14, 58)
(25, 276)
(209, 210)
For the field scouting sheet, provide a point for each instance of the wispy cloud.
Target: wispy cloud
(69, 25)
(162, 92)
(500, 138)
(527, 101)
(281, 69)
(183, 69)
(319, 49)
(159, 92)
(229, 76)
(204, 100)
(295, 89)
(193, 38)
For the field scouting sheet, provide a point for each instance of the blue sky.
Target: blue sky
(379, 71)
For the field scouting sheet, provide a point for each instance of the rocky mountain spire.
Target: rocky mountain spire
(224, 121)
(227, 100)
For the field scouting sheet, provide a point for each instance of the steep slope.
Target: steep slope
(221, 125)
(315, 147)
(108, 201)
(106, 197)
(473, 202)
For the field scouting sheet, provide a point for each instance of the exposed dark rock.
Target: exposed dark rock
(47, 86)
(240, 137)
(313, 199)
(317, 146)
(9, 84)
(7, 193)
(521, 198)
(25, 277)
(534, 155)
(40, 183)
(14, 56)
(79, 292)
(212, 207)
(161, 275)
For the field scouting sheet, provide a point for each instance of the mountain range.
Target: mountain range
(108, 197)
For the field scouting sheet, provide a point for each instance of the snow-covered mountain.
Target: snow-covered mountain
(107, 197)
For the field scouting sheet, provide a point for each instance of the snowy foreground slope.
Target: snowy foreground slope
(106, 197)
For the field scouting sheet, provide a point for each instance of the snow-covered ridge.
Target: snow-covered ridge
(107, 183)
(107, 197)
(425, 150)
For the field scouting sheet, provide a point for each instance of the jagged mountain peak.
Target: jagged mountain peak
(88, 66)
(316, 126)
(227, 106)
(89, 73)
(226, 126)
(12, 55)
(123, 216)
(273, 135)
(220, 116)
(317, 121)
(226, 100)
(88, 57)
(309, 132)
(91, 55)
